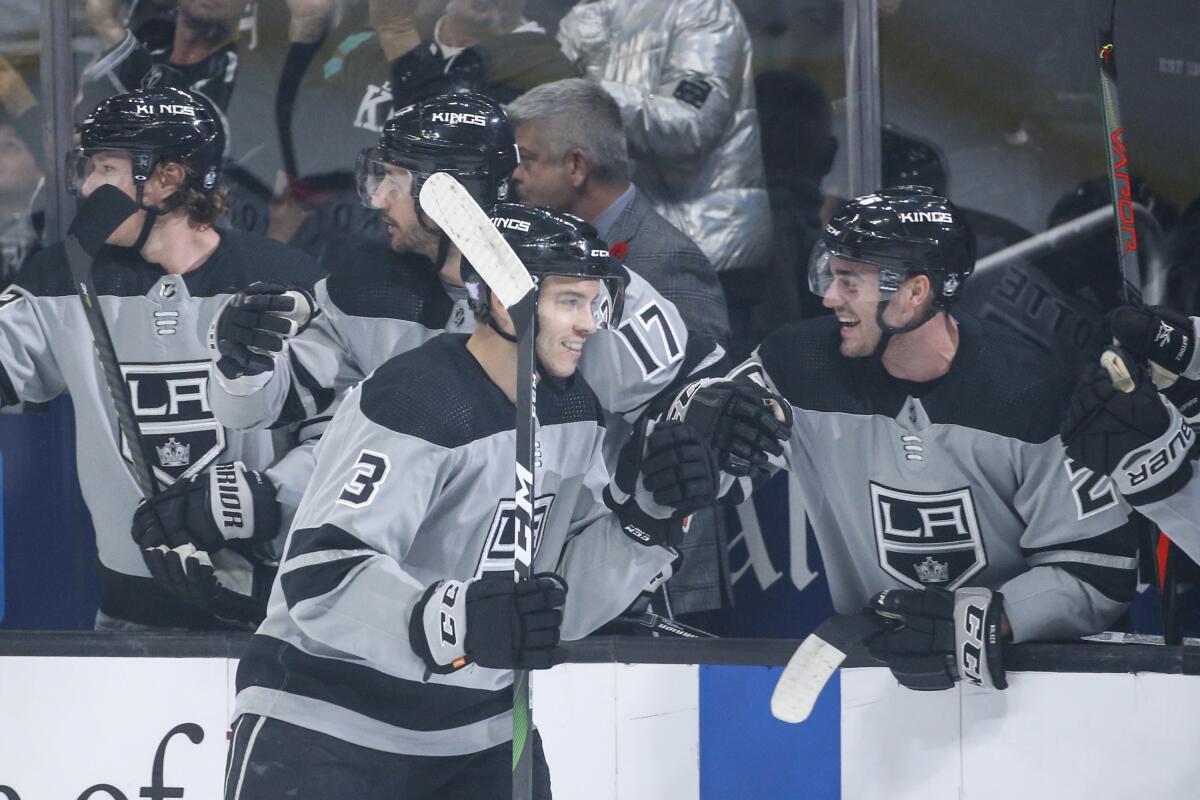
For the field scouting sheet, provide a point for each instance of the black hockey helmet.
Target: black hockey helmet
(549, 243)
(153, 126)
(903, 231)
(464, 134)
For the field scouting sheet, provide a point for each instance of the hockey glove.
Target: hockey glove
(675, 467)
(255, 324)
(1136, 437)
(1160, 335)
(936, 638)
(492, 621)
(743, 422)
(224, 584)
(223, 504)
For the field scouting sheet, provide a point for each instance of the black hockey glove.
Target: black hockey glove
(1157, 334)
(254, 324)
(225, 503)
(743, 422)
(936, 638)
(1136, 437)
(492, 621)
(225, 584)
(676, 467)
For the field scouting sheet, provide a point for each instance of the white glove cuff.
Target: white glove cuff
(973, 635)
(1158, 460)
(444, 619)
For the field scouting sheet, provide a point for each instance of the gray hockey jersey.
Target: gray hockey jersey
(414, 483)
(377, 304)
(158, 324)
(960, 481)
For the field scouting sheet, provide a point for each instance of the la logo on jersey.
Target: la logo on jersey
(170, 402)
(927, 538)
(497, 555)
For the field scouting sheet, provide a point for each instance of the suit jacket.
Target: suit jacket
(674, 265)
(679, 270)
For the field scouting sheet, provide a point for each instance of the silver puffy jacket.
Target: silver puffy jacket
(680, 71)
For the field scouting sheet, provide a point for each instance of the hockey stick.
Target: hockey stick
(99, 215)
(815, 661)
(1121, 193)
(454, 210)
(667, 627)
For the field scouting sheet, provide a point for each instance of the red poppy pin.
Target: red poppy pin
(619, 250)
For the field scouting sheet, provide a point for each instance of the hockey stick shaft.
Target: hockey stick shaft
(101, 214)
(1117, 155)
(1127, 246)
(458, 215)
(668, 627)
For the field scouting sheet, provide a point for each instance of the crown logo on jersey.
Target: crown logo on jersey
(930, 571)
(174, 454)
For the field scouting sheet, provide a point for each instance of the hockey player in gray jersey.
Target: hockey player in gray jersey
(395, 621)
(925, 444)
(159, 279)
(376, 306)
(1142, 434)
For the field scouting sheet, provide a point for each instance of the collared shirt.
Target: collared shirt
(609, 215)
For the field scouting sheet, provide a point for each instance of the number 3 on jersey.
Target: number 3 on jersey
(369, 471)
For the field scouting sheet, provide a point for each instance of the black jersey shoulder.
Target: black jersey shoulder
(244, 258)
(1002, 384)
(368, 279)
(439, 393)
(239, 260)
(116, 271)
(803, 361)
(998, 382)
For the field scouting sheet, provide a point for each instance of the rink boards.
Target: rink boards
(104, 725)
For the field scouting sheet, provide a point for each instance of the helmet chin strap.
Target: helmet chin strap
(892, 330)
(152, 215)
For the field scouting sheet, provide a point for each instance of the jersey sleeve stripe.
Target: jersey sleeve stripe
(1116, 542)
(317, 580)
(326, 537)
(1118, 585)
(1080, 557)
(411, 704)
(294, 408)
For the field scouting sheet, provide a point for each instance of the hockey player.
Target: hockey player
(1140, 437)
(395, 619)
(160, 277)
(377, 305)
(925, 443)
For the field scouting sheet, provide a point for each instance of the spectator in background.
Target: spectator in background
(201, 57)
(680, 71)
(20, 172)
(384, 55)
(798, 147)
(574, 158)
(19, 178)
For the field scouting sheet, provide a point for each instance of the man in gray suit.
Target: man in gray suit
(574, 158)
